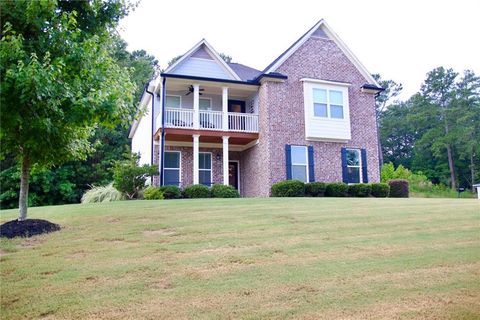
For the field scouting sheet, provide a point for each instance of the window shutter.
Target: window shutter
(344, 165)
(364, 166)
(311, 170)
(288, 157)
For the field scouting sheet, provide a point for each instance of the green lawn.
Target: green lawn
(273, 258)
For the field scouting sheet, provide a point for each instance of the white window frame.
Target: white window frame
(210, 108)
(173, 95)
(179, 167)
(300, 164)
(329, 105)
(211, 167)
(360, 173)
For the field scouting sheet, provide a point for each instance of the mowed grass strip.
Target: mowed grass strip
(311, 258)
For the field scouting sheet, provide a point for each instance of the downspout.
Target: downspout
(380, 155)
(162, 138)
(153, 127)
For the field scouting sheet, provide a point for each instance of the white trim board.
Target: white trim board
(211, 51)
(336, 39)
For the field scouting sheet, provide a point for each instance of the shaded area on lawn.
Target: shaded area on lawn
(27, 228)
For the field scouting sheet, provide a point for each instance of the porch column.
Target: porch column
(225, 108)
(196, 106)
(225, 161)
(195, 158)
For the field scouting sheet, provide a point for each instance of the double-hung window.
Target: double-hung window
(205, 168)
(354, 165)
(328, 103)
(299, 163)
(173, 102)
(171, 168)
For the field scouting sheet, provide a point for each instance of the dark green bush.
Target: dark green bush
(197, 191)
(380, 190)
(223, 191)
(336, 189)
(315, 189)
(360, 190)
(398, 188)
(171, 192)
(152, 193)
(288, 188)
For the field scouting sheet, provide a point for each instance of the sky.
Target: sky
(400, 40)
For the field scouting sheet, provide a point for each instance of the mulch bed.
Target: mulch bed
(27, 228)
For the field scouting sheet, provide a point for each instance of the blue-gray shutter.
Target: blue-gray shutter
(344, 165)
(364, 166)
(288, 157)
(311, 169)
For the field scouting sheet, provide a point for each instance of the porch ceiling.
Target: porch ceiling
(211, 88)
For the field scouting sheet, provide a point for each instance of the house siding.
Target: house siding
(318, 59)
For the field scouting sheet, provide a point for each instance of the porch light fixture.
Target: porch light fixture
(219, 157)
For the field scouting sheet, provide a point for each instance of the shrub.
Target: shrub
(223, 191)
(315, 189)
(359, 190)
(288, 188)
(197, 191)
(336, 189)
(171, 192)
(102, 194)
(380, 190)
(129, 177)
(398, 188)
(152, 193)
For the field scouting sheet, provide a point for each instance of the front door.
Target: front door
(233, 174)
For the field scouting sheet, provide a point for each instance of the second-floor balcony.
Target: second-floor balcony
(211, 120)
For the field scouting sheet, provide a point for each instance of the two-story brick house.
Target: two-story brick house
(310, 115)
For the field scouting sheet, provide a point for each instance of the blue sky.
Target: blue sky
(401, 40)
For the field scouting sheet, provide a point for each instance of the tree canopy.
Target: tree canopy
(59, 81)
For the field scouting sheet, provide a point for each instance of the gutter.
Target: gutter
(153, 126)
(162, 138)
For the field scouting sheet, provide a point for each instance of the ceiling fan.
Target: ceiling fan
(190, 90)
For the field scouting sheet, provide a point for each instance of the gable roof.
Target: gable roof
(212, 52)
(325, 28)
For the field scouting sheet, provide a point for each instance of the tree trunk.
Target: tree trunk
(451, 166)
(472, 171)
(23, 199)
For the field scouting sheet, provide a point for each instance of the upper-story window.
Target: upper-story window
(205, 104)
(173, 101)
(327, 103)
(327, 111)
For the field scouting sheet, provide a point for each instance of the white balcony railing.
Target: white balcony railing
(210, 120)
(243, 122)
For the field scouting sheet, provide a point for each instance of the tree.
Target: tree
(59, 81)
(438, 93)
(391, 90)
(129, 177)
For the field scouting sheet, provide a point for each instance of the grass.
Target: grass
(310, 258)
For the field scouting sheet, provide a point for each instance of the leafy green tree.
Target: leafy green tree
(382, 100)
(59, 81)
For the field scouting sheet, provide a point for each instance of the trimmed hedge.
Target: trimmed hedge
(197, 191)
(288, 188)
(223, 191)
(336, 189)
(171, 192)
(152, 193)
(380, 190)
(398, 188)
(315, 189)
(360, 190)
